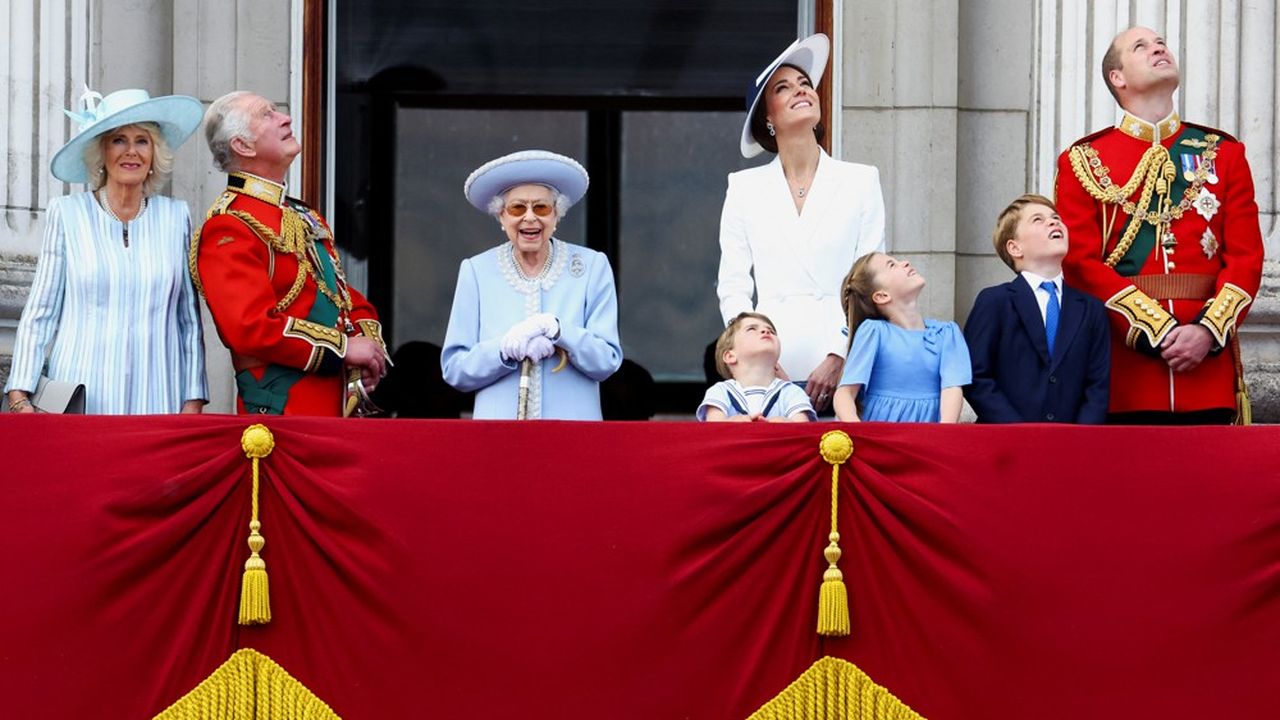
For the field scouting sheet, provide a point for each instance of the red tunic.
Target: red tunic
(1227, 247)
(243, 279)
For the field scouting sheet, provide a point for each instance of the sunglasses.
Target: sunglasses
(518, 209)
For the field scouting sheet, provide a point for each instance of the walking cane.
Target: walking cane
(522, 403)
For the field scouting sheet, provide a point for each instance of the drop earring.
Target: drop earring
(770, 126)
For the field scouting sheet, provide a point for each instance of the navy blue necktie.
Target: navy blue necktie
(1051, 311)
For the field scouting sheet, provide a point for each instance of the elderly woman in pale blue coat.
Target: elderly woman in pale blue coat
(534, 297)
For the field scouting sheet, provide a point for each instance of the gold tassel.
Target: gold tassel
(255, 600)
(833, 597)
(1244, 406)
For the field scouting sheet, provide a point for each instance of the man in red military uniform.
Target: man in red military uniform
(1164, 230)
(267, 266)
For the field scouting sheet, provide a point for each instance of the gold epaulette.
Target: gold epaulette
(321, 338)
(1222, 312)
(1144, 314)
(193, 251)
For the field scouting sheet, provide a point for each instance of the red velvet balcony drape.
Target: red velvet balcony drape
(558, 570)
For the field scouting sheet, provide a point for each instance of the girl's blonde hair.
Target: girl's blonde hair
(855, 295)
(161, 158)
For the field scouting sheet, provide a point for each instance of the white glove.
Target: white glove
(515, 343)
(546, 324)
(539, 348)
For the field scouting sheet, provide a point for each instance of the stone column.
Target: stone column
(42, 71)
(899, 105)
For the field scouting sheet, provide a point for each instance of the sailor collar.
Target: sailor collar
(256, 187)
(1154, 133)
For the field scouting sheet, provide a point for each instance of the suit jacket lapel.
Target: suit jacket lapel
(823, 191)
(1024, 302)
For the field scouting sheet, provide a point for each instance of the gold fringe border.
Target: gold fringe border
(835, 689)
(249, 686)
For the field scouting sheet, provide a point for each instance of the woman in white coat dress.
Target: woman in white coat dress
(791, 229)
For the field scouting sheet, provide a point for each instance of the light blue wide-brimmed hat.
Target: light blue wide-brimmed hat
(527, 167)
(810, 55)
(177, 115)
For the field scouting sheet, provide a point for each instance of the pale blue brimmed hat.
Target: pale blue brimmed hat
(177, 115)
(527, 167)
(810, 55)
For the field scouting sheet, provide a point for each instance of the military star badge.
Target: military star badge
(1209, 243)
(1206, 203)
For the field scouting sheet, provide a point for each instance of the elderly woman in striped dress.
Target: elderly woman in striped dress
(112, 306)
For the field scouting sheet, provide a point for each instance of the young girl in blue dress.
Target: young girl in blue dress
(901, 367)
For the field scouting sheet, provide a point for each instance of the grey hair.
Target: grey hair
(499, 201)
(224, 121)
(161, 158)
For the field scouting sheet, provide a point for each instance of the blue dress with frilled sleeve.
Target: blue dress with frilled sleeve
(903, 372)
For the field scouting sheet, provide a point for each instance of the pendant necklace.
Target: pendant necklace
(106, 205)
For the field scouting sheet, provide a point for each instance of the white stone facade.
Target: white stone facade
(963, 104)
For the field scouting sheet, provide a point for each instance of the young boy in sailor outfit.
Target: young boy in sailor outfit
(747, 357)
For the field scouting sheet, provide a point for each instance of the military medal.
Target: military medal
(1168, 242)
(1206, 203)
(1209, 243)
(1189, 164)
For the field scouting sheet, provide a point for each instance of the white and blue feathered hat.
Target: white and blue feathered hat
(177, 115)
(527, 167)
(810, 55)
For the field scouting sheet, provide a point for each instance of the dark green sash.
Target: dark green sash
(269, 394)
(1145, 241)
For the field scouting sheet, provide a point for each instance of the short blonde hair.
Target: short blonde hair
(161, 158)
(725, 342)
(1007, 224)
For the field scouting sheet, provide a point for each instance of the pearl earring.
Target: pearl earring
(770, 126)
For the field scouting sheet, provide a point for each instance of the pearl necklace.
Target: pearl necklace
(106, 205)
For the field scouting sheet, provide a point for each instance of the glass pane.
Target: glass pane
(512, 47)
(435, 227)
(673, 182)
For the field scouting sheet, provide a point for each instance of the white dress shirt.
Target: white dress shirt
(1042, 295)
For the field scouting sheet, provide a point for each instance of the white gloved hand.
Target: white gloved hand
(546, 325)
(539, 348)
(515, 342)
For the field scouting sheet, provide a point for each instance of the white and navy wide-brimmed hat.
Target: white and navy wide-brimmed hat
(810, 55)
(177, 115)
(527, 167)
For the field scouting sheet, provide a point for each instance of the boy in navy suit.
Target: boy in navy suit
(1041, 350)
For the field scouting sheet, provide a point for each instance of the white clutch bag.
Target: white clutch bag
(55, 396)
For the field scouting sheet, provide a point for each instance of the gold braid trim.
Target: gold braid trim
(1145, 316)
(835, 689)
(249, 684)
(1222, 312)
(372, 329)
(1154, 172)
(295, 239)
(193, 250)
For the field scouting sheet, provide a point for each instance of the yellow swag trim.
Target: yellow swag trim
(835, 689)
(249, 686)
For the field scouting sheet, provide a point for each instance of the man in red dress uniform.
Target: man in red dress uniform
(1164, 230)
(268, 267)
